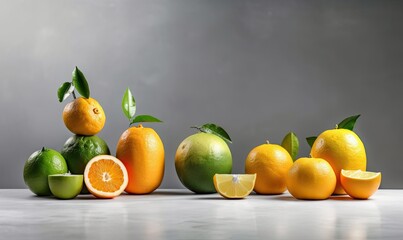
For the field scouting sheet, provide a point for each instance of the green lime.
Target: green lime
(65, 186)
(79, 150)
(41, 164)
(198, 158)
(291, 144)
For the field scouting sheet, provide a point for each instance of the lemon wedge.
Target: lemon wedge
(360, 184)
(234, 186)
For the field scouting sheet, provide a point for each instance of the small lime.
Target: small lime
(65, 186)
(37, 168)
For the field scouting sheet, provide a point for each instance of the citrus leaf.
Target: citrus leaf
(291, 144)
(216, 130)
(128, 104)
(64, 91)
(348, 123)
(311, 140)
(145, 118)
(80, 83)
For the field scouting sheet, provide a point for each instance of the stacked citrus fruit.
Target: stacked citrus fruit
(49, 172)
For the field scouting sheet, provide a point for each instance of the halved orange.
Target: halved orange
(234, 185)
(360, 184)
(105, 176)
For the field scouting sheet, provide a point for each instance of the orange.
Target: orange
(271, 163)
(105, 176)
(142, 152)
(343, 149)
(359, 184)
(311, 178)
(84, 116)
(234, 186)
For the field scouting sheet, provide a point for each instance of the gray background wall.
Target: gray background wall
(258, 68)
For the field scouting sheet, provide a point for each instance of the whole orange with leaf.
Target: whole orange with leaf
(84, 115)
(141, 151)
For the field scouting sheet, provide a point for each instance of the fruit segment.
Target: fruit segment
(105, 176)
(234, 185)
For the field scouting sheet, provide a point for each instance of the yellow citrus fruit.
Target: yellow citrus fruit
(343, 149)
(271, 163)
(105, 176)
(142, 152)
(84, 116)
(360, 184)
(311, 178)
(234, 185)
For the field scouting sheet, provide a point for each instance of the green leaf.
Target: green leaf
(311, 140)
(145, 118)
(80, 83)
(216, 130)
(291, 144)
(64, 91)
(128, 104)
(348, 123)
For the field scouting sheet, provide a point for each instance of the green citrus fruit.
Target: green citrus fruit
(37, 168)
(198, 158)
(65, 186)
(79, 150)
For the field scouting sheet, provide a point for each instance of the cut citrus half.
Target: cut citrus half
(360, 184)
(105, 176)
(234, 185)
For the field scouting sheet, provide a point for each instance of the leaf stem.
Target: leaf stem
(74, 95)
(196, 127)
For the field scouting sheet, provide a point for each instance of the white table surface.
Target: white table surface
(180, 214)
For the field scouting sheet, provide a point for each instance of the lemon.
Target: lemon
(271, 163)
(311, 178)
(343, 149)
(360, 184)
(234, 185)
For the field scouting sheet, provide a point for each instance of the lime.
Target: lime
(198, 158)
(79, 150)
(65, 186)
(291, 144)
(41, 164)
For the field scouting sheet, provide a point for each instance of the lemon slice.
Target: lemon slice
(234, 185)
(360, 184)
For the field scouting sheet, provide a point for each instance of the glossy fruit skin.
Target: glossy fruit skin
(271, 163)
(78, 150)
(84, 116)
(343, 149)
(311, 179)
(142, 152)
(198, 158)
(65, 186)
(37, 168)
(359, 188)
